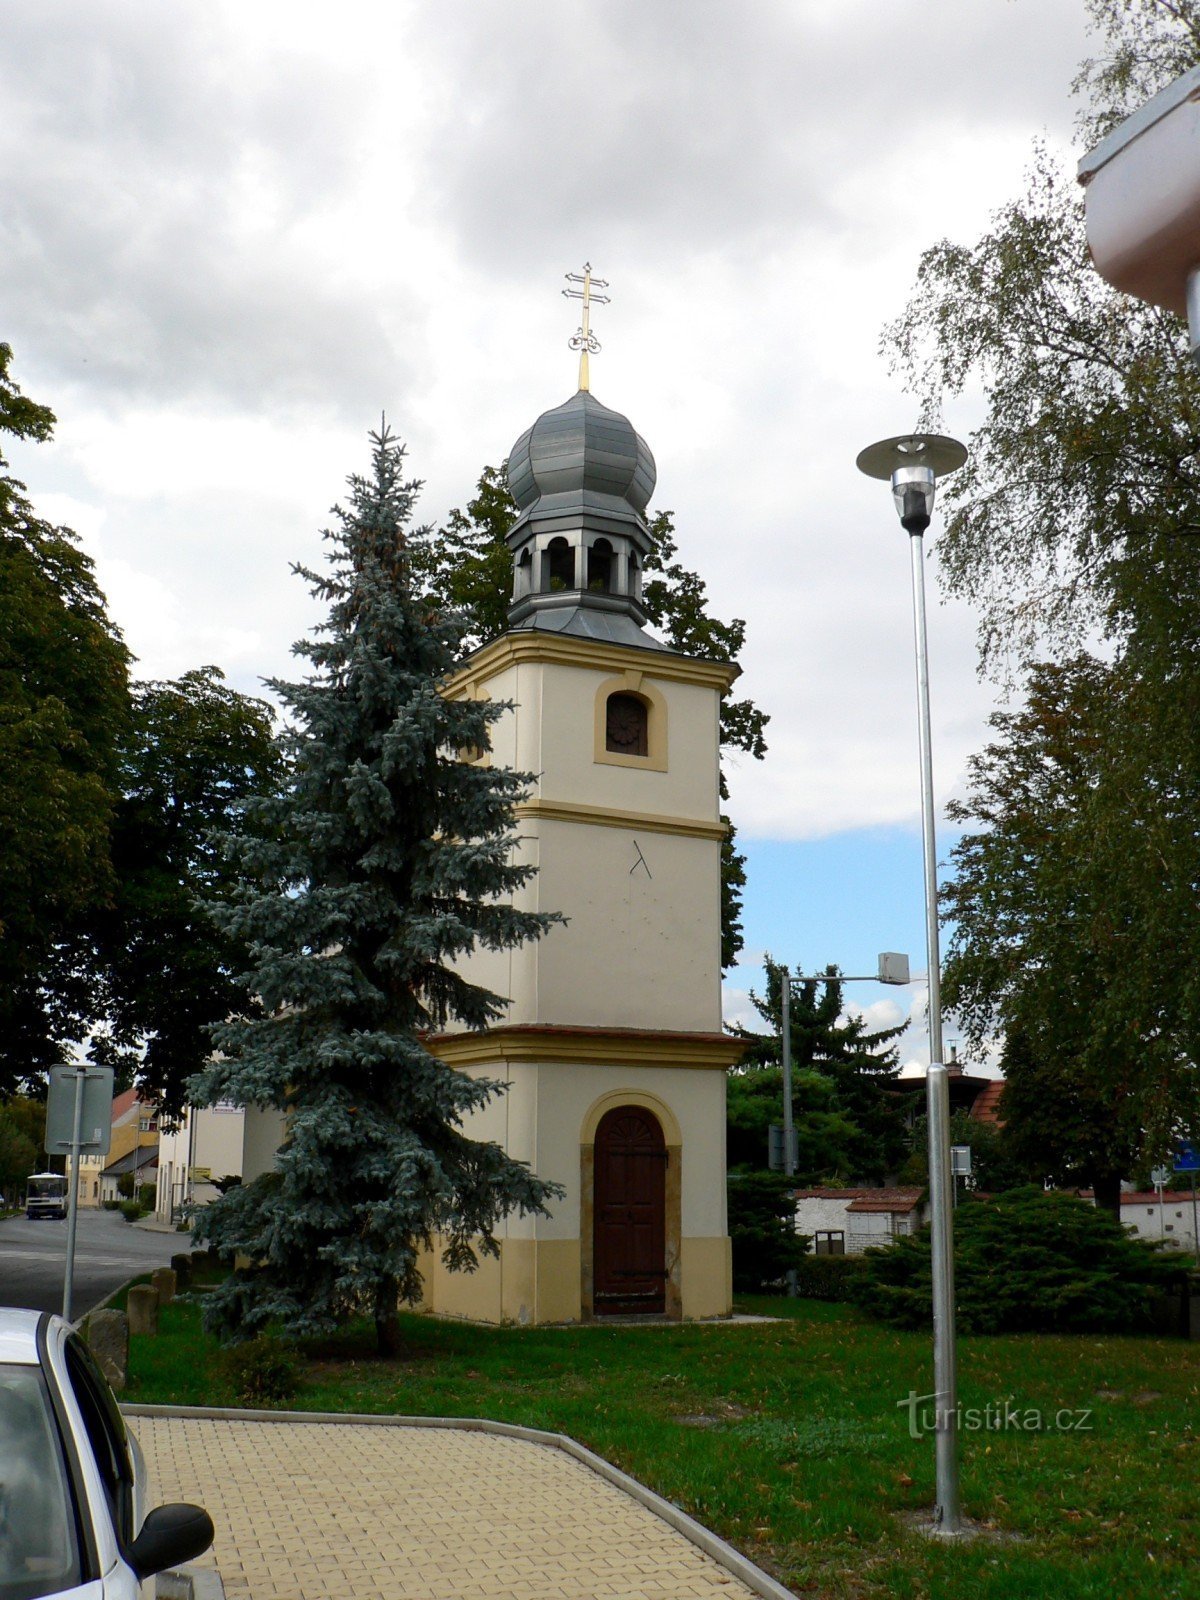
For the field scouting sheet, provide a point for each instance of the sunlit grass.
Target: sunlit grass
(789, 1440)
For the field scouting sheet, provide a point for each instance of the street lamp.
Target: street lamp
(913, 463)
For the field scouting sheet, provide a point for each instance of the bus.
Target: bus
(45, 1195)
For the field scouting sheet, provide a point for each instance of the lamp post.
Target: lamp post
(913, 464)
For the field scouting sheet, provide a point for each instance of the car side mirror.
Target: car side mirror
(170, 1534)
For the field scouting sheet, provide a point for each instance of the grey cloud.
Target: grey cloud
(712, 126)
(132, 138)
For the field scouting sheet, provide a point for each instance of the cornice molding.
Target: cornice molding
(562, 649)
(534, 1043)
(613, 817)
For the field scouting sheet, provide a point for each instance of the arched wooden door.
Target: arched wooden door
(629, 1214)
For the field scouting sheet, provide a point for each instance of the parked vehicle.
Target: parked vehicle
(72, 1479)
(45, 1195)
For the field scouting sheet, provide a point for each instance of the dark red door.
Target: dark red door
(630, 1208)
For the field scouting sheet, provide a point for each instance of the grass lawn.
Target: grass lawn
(787, 1439)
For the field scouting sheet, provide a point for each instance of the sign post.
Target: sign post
(1187, 1159)
(78, 1119)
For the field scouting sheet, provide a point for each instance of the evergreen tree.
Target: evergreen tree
(847, 1124)
(468, 565)
(384, 859)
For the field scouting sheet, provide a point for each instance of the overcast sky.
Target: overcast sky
(234, 233)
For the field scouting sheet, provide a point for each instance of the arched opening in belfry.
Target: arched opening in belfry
(627, 725)
(560, 559)
(600, 566)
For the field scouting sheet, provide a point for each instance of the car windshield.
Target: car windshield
(39, 1550)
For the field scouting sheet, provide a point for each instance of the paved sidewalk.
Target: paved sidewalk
(370, 1511)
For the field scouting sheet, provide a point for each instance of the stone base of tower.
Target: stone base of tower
(631, 1124)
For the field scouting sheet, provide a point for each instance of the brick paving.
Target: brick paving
(309, 1510)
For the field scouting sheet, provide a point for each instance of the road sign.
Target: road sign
(1187, 1156)
(960, 1160)
(95, 1127)
(893, 967)
(1160, 1177)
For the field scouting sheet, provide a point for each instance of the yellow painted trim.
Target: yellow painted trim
(672, 1133)
(511, 649)
(707, 1278)
(631, 682)
(611, 817)
(587, 1047)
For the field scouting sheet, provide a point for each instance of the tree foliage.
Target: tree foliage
(1072, 529)
(383, 860)
(108, 793)
(1072, 905)
(1026, 1262)
(468, 564)
(196, 751)
(63, 714)
(847, 1125)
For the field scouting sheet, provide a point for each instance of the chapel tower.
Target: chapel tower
(612, 1045)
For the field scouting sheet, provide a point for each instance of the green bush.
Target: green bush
(131, 1210)
(766, 1246)
(125, 1186)
(111, 1205)
(261, 1372)
(829, 1277)
(147, 1194)
(1026, 1262)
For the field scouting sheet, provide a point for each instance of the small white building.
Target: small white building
(845, 1222)
(1169, 1218)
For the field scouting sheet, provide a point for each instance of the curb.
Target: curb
(703, 1538)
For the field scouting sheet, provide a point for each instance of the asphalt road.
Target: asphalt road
(108, 1251)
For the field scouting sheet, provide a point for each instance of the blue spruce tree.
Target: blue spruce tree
(384, 858)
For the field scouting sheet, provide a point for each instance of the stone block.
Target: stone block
(182, 1267)
(108, 1340)
(163, 1279)
(142, 1303)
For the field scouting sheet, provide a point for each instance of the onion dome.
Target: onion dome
(581, 477)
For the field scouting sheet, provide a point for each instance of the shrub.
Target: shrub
(762, 1228)
(131, 1210)
(829, 1277)
(125, 1186)
(1026, 1262)
(262, 1372)
(147, 1194)
(111, 1205)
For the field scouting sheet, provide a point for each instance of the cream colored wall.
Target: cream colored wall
(641, 948)
(559, 744)
(542, 1119)
(219, 1141)
(548, 1112)
(264, 1131)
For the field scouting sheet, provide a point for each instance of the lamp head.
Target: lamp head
(913, 463)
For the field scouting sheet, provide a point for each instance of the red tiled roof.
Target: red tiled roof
(1171, 1197)
(894, 1200)
(123, 1103)
(866, 1199)
(986, 1105)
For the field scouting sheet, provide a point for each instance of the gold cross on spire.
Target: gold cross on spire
(585, 341)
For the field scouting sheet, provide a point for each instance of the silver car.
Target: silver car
(72, 1479)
